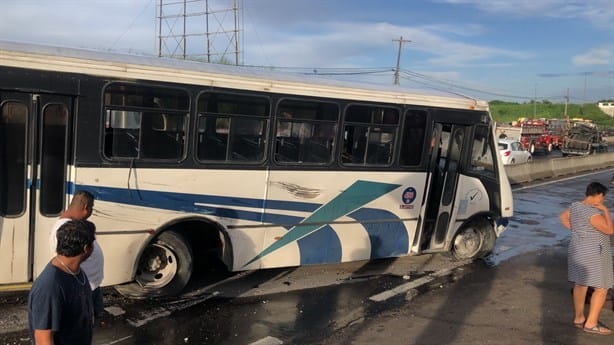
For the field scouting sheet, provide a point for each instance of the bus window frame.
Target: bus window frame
(394, 142)
(277, 119)
(494, 151)
(145, 111)
(265, 136)
(26, 162)
(426, 147)
(43, 146)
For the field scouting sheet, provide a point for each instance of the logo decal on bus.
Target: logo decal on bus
(408, 197)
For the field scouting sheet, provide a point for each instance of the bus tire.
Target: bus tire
(165, 267)
(488, 245)
(468, 242)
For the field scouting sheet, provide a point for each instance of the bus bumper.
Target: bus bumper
(501, 225)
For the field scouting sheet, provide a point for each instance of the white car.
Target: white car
(512, 152)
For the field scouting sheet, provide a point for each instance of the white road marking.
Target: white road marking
(115, 310)
(118, 340)
(167, 310)
(382, 296)
(268, 341)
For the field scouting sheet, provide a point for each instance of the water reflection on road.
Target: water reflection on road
(535, 223)
(296, 317)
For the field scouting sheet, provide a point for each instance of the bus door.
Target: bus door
(34, 147)
(444, 162)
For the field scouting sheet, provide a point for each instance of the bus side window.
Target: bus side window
(412, 144)
(369, 135)
(380, 146)
(246, 139)
(232, 128)
(355, 147)
(122, 134)
(13, 138)
(212, 138)
(306, 132)
(321, 143)
(482, 160)
(144, 122)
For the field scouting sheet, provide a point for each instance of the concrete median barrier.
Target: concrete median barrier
(544, 169)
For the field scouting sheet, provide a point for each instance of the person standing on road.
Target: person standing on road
(60, 307)
(589, 262)
(80, 208)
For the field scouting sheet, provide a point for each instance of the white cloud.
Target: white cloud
(597, 56)
(351, 44)
(91, 26)
(466, 30)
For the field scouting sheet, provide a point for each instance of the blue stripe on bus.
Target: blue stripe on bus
(187, 202)
(70, 188)
(387, 238)
(310, 249)
(284, 205)
(320, 247)
(310, 238)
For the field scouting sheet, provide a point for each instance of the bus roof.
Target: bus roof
(140, 67)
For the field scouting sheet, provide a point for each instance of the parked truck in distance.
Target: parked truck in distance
(583, 138)
(534, 135)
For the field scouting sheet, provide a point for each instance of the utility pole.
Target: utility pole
(535, 103)
(566, 101)
(396, 71)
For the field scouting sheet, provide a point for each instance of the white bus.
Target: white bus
(192, 162)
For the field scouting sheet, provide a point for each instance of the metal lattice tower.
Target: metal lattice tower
(192, 29)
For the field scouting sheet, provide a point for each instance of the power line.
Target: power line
(451, 85)
(443, 85)
(131, 24)
(327, 70)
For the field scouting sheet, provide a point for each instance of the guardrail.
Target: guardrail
(556, 167)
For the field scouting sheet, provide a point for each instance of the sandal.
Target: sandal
(600, 329)
(579, 325)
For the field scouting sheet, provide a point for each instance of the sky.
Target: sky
(513, 50)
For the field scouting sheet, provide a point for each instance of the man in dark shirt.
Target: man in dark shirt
(60, 308)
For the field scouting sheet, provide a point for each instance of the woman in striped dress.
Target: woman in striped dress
(589, 262)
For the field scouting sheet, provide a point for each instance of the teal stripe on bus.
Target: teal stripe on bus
(357, 195)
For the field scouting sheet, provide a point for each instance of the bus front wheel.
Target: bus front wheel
(165, 267)
(468, 242)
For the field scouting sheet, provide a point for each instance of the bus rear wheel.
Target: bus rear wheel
(165, 267)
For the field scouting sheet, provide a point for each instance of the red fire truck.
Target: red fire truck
(534, 135)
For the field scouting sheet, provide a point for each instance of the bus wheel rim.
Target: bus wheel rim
(468, 243)
(157, 268)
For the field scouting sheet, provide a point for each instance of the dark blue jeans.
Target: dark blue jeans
(97, 302)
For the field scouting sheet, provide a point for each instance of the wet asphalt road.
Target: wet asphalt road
(309, 305)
